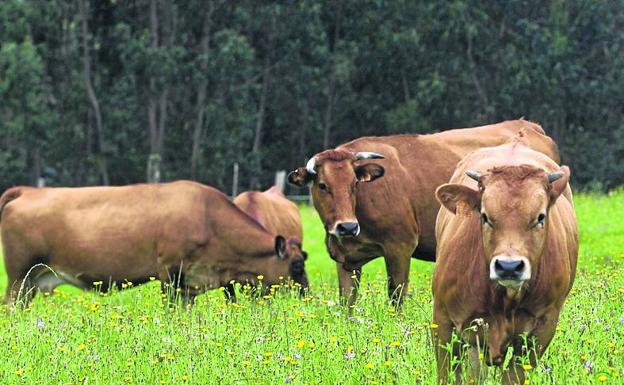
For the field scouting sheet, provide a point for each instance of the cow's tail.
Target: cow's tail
(9, 195)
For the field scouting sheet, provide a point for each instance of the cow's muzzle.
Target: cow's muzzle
(510, 271)
(346, 229)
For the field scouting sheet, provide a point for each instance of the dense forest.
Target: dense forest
(123, 91)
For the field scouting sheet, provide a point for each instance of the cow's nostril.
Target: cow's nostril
(509, 269)
(348, 228)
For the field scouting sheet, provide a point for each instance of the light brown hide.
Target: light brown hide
(279, 216)
(396, 212)
(512, 192)
(168, 231)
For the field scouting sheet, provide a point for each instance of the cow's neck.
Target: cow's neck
(507, 300)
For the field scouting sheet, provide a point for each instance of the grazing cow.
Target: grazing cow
(183, 233)
(507, 247)
(393, 216)
(278, 215)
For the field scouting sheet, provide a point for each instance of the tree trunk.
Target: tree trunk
(331, 87)
(86, 60)
(255, 150)
(406, 91)
(36, 165)
(153, 160)
(304, 128)
(199, 127)
(200, 108)
(481, 93)
(266, 75)
(158, 99)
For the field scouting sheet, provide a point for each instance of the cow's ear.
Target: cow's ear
(300, 177)
(369, 172)
(458, 197)
(304, 254)
(280, 247)
(558, 182)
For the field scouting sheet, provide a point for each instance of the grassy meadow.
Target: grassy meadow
(130, 337)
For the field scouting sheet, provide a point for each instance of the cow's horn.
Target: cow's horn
(311, 165)
(553, 176)
(367, 155)
(473, 175)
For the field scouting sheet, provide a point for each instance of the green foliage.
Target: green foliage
(131, 337)
(336, 70)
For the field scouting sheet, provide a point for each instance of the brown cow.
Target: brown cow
(277, 214)
(183, 233)
(393, 216)
(506, 260)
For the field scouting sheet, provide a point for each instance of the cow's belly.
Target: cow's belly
(82, 262)
(47, 278)
(104, 252)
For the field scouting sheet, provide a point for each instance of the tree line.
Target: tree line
(117, 92)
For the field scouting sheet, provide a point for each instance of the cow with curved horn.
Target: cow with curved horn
(375, 195)
(507, 232)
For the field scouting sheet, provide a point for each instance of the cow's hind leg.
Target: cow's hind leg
(21, 288)
(20, 292)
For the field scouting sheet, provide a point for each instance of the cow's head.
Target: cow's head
(291, 263)
(513, 204)
(335, 176)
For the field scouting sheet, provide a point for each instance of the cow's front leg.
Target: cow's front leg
(528, 351)
(348, 283)
(188, 297)
(397, 268)
(445, 349)
(170, 284)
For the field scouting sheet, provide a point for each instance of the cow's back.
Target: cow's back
(104, 226)
(417, 164)
(273, 211)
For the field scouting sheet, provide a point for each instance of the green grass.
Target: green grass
(131, 338)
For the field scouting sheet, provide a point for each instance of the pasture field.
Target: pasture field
(131, 337)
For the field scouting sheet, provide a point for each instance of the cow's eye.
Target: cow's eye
(540, 220)
(485, 219)
(322, 186)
